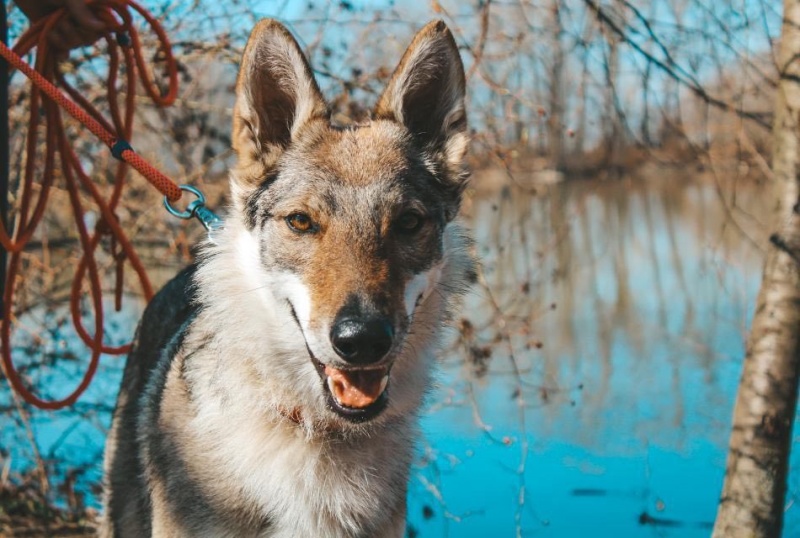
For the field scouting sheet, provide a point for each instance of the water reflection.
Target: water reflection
(589, 386)
(604, 407)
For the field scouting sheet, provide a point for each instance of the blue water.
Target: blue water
(612, 317)
(640, 298)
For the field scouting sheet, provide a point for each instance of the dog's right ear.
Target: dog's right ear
(276, 94)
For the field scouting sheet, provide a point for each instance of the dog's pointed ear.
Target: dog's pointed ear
(276, 94)
(426, 94)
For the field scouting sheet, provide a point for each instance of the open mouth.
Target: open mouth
(356, 394)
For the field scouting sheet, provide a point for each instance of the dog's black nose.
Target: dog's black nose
(362, 341)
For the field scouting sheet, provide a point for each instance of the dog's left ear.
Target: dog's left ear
(426, 94)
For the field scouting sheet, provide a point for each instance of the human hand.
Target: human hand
(78, 28)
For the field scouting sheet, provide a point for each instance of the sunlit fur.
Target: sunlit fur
(222, 425)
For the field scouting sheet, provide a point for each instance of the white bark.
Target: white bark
(752, 501)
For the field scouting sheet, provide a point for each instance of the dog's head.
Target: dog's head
(350, 223)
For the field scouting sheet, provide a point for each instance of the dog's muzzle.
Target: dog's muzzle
(357, 391)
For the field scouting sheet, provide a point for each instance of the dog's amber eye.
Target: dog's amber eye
(300, 222)
(410, 222)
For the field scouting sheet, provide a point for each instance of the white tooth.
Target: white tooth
(384, 382)
(330, 388)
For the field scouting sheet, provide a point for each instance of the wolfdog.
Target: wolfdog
(274, 388)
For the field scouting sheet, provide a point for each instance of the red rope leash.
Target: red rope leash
(115, 134)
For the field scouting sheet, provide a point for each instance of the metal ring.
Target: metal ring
(189, 212)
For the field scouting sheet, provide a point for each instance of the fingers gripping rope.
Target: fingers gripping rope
(124, 47)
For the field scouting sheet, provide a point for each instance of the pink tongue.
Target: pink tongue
(356, 389)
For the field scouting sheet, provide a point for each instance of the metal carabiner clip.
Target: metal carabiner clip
(197, 209)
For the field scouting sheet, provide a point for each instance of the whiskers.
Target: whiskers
(250, 290)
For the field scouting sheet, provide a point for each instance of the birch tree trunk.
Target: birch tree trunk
(752, 501)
